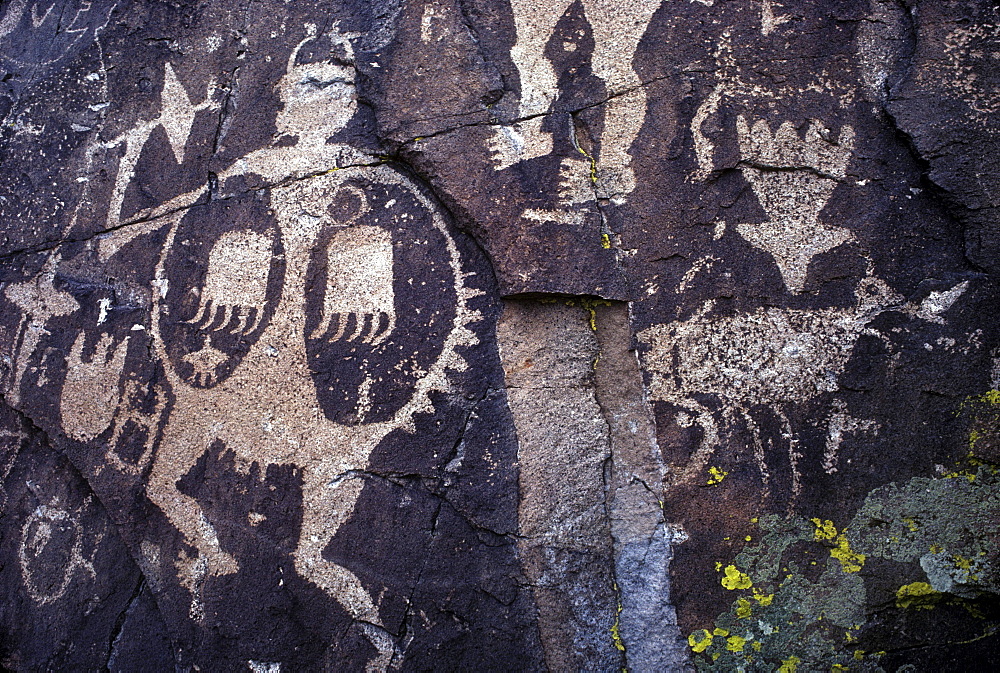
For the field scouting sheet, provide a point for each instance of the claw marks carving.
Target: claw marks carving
(221, 290)
(357, 263)
(617, 28)
(793, 179)
(320, 392)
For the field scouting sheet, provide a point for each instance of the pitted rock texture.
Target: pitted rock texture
(499, 334)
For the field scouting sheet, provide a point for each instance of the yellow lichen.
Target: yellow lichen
(917, 595)
(735, 579)
(762, 598)
(616, 635)
(591, 305)
(859, 655)
(850, 561)
(743, 609)
(756, 645)
(700, 644)
(605, 241)
(790, 665)
(719, 631)
(991, 397)
(735, 643)
(716, 476)
(825, 530)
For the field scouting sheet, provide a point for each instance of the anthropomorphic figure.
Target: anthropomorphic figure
(288, 332)
(617, 28)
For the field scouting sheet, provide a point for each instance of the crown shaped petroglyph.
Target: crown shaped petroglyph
(785, 149)
(793, 178)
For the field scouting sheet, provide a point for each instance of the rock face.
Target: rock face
(500, 335)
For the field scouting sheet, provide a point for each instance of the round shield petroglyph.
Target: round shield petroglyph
(224, 276)
(380, 295)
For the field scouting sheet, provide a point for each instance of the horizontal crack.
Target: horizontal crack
(158, 214)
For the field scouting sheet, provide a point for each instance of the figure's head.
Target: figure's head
(318, 98)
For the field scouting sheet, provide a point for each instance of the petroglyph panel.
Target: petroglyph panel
(478, 335)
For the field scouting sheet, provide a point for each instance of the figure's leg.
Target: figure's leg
(176, 454)
(534, 23)
(326, 506)
(618, 27)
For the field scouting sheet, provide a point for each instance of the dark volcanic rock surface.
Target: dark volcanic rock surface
(501, 335)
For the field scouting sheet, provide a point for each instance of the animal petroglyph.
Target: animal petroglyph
(617, 28)
(793, 179)
(772, 356)
(272, 414)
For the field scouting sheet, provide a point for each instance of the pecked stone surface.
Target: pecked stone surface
(517, 335)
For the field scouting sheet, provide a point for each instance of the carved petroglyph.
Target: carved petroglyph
(793, 179)
(39, 300)
(617, 28)
(731, 85)
(236, 284)
(841, 423)
(358, 301)
(272, 413)
(768, 19)
(51, 552)
(61, 32)
(773, 357)
(319, 242)
(92, 389)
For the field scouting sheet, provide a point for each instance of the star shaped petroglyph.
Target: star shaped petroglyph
(205, 361)
(793, 178)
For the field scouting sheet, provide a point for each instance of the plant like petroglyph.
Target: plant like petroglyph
(39, 301)
(617, 28)
(775, 357)
(793, 179)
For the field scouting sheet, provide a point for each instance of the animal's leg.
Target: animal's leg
(706, 447)
(793, 456)
(326, 505)
(618, 27)
(534, 23)
(758, 452)
(177, 453)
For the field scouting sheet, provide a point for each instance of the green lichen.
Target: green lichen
(785, 617)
